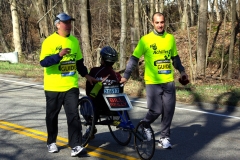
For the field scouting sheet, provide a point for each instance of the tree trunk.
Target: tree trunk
(123, 35)
(3, 42)
(223, 44)
(230, 60)
(85, 34)
(16, 30)
(192, 17)
(180, 9)
(161, 6)
(39, 6)
(152, 8)
(65, 6)
(109, 22)
(202, 37)
(195, 11)
(217, 10)
(135, 35)
(184, 16)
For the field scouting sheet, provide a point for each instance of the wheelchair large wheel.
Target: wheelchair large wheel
(145, 145)
(120, 134)
(87, 118)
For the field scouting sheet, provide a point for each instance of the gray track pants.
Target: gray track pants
(161, 100)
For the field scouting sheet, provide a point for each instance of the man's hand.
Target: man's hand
(91, 79)
(123, 80)
(64, 51)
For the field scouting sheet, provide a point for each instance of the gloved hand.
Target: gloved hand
(183, 80)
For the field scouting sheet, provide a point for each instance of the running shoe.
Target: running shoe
(148, 133)
(165, 143)
(52, 148)
(76, 150)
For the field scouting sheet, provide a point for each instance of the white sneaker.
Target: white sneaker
(76, 150)
(164, 143)
(148, 134)
(52, 148)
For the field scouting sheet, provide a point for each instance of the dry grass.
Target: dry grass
(218, 92)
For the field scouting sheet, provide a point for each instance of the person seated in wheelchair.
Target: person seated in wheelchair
(109, 81)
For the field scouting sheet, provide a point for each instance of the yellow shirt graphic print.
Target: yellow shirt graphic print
(163, 66)
(68, 68)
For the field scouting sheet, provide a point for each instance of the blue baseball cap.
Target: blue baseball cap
(63, 17)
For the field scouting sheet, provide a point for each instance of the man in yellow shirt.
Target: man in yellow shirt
(160, 57)
(61, 58)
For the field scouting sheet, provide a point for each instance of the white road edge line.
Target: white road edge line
(22, 83)
(191, 110)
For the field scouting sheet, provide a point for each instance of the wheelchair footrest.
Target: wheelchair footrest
(104, 122)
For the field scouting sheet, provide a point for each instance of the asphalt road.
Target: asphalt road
(200, 132)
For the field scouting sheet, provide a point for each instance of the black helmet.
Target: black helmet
(109, 54)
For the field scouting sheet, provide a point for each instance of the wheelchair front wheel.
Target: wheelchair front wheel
(144, 144)
(87, 117)
(121, 135)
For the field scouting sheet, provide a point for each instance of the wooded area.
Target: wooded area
(24, 24)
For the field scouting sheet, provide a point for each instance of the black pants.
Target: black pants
(55, 101)
(161, 100)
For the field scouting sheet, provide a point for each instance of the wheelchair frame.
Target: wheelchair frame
(120, 127)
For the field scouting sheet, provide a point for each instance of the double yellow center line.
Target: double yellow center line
(61, 141)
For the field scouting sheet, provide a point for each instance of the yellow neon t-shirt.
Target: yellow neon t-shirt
(63, 76)
(157, 51)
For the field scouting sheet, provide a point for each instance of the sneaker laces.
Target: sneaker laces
(75, 149)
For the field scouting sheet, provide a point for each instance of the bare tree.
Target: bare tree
(16, 30)
(233, 34)
(123, 34)
(86, 49)
(202, 37)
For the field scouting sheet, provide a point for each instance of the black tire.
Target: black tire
(144, 148)
(121, 135)
(87, 117)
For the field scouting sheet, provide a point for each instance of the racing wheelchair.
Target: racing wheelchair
(115, 115)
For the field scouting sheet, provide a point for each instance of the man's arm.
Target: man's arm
(50, 60)
(132, 63)
(81, 68)
(178, 64)
(54, 59)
